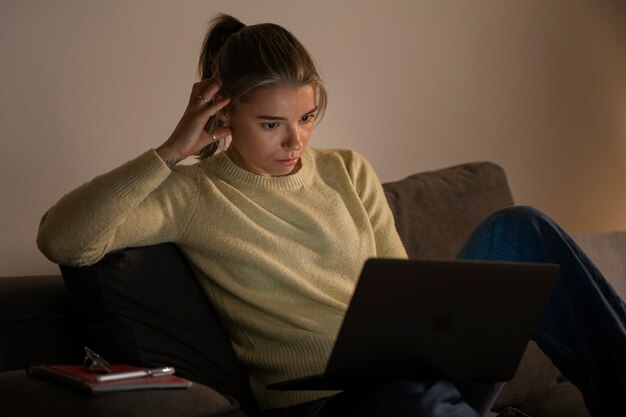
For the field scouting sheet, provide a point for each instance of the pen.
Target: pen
(168, 370)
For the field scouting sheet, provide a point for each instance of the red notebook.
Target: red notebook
(77, 377)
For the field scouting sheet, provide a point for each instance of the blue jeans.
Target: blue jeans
(582, 329)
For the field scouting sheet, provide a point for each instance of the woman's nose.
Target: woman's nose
(293, 140)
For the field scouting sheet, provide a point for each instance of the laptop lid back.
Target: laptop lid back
(426, 320)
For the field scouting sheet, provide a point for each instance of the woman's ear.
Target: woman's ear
(223, 117)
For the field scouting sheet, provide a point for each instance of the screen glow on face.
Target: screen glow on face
(271, 130)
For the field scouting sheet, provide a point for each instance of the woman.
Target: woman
(262, 219)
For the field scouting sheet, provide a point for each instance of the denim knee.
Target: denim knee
(520, 215)
(512, 233)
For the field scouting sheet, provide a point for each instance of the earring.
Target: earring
(223, 145)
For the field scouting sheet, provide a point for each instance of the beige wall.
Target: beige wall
(538, 86)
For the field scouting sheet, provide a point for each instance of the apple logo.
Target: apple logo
(443, 323)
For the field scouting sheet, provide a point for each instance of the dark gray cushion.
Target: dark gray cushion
(143, 306)
(22, 395)
(435, 212)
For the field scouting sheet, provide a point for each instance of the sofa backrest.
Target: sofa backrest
(37, 323)
(435, 212)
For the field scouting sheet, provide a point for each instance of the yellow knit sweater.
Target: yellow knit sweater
(277, 256)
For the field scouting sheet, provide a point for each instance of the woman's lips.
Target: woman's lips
(288, 162)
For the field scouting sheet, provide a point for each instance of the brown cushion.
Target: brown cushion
(535, 375)
(562, 400)
(436, 211)
(22, 395)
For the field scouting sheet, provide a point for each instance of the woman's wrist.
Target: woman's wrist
(169, 156)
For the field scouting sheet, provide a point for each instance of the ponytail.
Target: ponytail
(222, 27)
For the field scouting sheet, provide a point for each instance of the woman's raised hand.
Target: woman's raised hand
(190, 136)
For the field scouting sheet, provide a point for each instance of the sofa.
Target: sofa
(143, 306)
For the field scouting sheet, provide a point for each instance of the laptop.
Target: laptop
(459, 320)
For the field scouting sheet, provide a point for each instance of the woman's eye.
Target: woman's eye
(270, 125)
(308, 118)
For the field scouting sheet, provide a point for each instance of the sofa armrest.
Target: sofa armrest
(37, 323)
(17, 391)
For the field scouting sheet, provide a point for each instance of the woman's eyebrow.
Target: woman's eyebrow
(266, 117)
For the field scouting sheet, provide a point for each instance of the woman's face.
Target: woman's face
(271, 130)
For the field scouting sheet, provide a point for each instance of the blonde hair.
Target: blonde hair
(246, 58)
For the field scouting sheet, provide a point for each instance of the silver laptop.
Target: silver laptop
(426, 320)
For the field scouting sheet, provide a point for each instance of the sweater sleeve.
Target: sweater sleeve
(139, 203)
(370, 190)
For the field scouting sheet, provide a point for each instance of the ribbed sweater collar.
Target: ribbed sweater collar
(234, 174)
